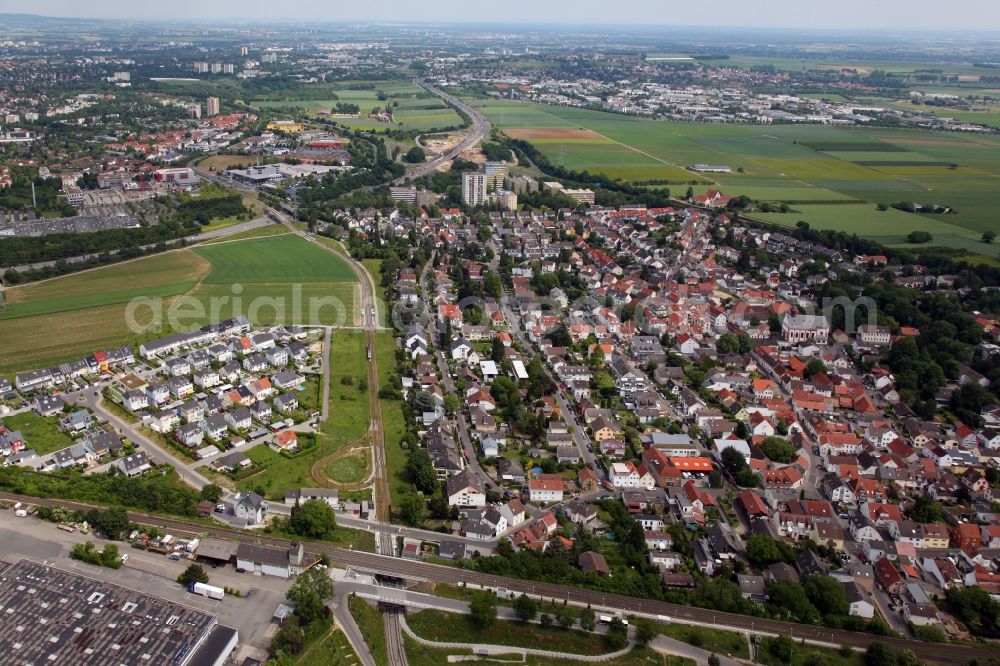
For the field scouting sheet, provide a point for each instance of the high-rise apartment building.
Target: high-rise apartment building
(212, 106)
(496, 172)
(474, 188)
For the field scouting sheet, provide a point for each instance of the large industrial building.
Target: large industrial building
(59, 617)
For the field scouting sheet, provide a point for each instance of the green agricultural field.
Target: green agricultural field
(40, 433)
(268, 303)
(69, 317)
(412, 112)
(164, 274)
(282, 259)
(797, 164)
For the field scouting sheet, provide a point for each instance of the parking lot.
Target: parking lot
(43, 542)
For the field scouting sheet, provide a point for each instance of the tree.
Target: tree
(309, 594)
(781, 648)
(617, 636)
(525, 608)
(110, 557)
(777, 449)
(545, 620)
(975, 608)
(195, 573)
(989, 236)
(917, 237)
(313, 518)
(713, 660)
(211, 492)
(762, 550)
(880, 654)
(790, 597)
(484, 610)
(815, 367)
(645, 631)
(110, 523)
(565, 617)
(587, 620)
(926, 510)
(415, 155)
(411, 509)
(827, 595)
(733, 460)
(289, 639)
(420, 470)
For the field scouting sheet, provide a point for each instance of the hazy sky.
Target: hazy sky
(979, 15)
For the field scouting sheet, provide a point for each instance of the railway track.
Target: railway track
(386, 543)
(421, 571)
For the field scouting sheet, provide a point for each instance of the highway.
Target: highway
(479, 131)
(414, 570)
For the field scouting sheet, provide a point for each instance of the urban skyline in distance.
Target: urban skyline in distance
(979, 15)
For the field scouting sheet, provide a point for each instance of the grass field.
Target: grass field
(40, 433)
(421, 655)
(393, 424)
(797, 164)
(270, 279)
(729, 643)
(449, 627)
(333, 649)
(352, 468)
(413, 112)
(281, 259)
(164, 274)
(370, 623)
(348, 420)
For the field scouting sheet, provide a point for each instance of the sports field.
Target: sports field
(270, 280)
(413, 112)
(816, 169)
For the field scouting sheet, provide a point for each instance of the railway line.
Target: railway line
(948, 654)
(385, 541)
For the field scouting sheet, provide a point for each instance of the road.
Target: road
(567, 411)
(480, 129)
(208, 235)
(461, 425)
(422, 571)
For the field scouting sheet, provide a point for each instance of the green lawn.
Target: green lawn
(807, 655)
(266, 304)
(449, 627)
(370, 623)
(420, 655)
(332, 650)
(729, 643)
(286, 258)
(40, 433)
(352, 468)
(393, 423)
(348, 420)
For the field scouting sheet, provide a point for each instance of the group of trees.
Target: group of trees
(159, 493)
(778, 450)
(87, 552)
(308, 596)
(312, 519)
(736, 465)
